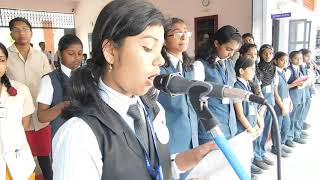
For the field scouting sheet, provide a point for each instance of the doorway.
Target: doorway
(204, 28)
(299, 34)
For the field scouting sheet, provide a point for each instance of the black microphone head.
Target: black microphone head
(172, 84)
(160, 81)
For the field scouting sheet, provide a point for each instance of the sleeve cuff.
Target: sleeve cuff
(174, 168)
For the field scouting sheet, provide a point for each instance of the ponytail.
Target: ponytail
(84, 93)
(6, 82)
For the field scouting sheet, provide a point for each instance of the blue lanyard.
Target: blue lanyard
(156, 174)
(223, 74)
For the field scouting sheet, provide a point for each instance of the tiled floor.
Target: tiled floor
(304, 162)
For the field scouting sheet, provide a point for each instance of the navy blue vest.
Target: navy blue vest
(307, 89)
(181, 118)
(122, 155)
(283, 89)
(58, 80)
(223, 112)
(245, 106)
(297, 95)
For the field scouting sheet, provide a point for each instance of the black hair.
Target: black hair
(41, 43)
(262, 48)
(245, 48)
(224, 35)
(4, 50)
(243, 63)
(116, 21)
(187, 63)
(19, 19)
(65, 42)
(245, 35)
(305, 51)
(4, 79)
(293, 53)
(279, 55)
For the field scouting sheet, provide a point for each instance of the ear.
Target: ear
(241, 71)
(108, 50)
(216, 43)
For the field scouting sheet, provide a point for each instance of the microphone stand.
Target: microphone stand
(275, 125)
(198, 96)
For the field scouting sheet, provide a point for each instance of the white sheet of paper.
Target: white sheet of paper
(216, 167)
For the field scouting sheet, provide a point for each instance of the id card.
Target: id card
(3, 112)
(268, 89)
(225, 101)
(252, 110)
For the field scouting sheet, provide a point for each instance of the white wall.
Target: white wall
(85, 16)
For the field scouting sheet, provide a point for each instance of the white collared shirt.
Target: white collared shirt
(45, 93)
(289, 71)
(243, 81)
(199, 73)
(174, 60)
(119, 102)
(75, 150)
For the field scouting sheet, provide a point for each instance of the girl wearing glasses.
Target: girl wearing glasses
(219, 68)
(54, 88)
(181, 118)
(16, 106)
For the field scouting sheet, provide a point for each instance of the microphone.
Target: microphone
(177, 85)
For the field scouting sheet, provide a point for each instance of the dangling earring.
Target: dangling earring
(110, 67)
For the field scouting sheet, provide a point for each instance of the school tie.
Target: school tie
(222, 64)
(179, 66)
(140, 125)
(249, 87)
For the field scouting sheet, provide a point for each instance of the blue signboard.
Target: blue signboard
(282, 15)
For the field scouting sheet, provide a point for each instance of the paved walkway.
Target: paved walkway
(304, 162)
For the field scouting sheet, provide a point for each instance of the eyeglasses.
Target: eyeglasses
(178, 35)
(24, 30)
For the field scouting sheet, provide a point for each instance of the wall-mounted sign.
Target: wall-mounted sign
(281, 15)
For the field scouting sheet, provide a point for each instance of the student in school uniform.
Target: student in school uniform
(219, 69)
(306, 67)
(115, 128)
(250, 51)
(16, 106)
(181, 118)
(266, 72)
(297, 95)
(283, 104)
(54, 87)
(246, 112)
